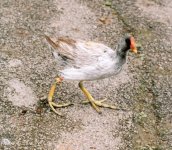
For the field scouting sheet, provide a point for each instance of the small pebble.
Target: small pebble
(5, 141)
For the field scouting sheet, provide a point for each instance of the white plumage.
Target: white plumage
(85, 60)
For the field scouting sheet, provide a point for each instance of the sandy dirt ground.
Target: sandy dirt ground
(142, 91)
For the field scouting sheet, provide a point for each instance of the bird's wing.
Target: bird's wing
(80, 53)
(63, 46)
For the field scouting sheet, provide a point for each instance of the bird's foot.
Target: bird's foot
(50, 98)
(95, 104)
(99, 103)
(53, 105)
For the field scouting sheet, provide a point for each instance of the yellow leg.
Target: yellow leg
(51, 94)
(93, 102)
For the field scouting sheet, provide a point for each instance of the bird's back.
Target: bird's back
(79, 53)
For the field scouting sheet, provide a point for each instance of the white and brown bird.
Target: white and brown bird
(86, 61)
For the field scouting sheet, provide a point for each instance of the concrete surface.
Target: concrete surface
(27, 70)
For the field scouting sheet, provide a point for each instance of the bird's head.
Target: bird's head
(127, 43)
(132, 44)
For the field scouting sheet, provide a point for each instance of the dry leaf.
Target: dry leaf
(105, 20)
(108, 3)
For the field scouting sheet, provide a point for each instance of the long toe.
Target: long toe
(52, 105)
(53, 109)
(61, 105)
(95, 106)
(87, 102)
(100, 104)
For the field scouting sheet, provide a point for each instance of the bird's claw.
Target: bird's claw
(99, 103)
(52, 105)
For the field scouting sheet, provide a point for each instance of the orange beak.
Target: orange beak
(134, 50)
(133, 45)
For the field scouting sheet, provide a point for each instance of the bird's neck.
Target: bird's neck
(122, 50)
(122, 53)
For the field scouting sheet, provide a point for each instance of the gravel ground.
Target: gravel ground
(27, 70)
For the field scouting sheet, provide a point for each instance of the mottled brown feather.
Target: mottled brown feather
(68, 41)
(52, 43)
(60, 44)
